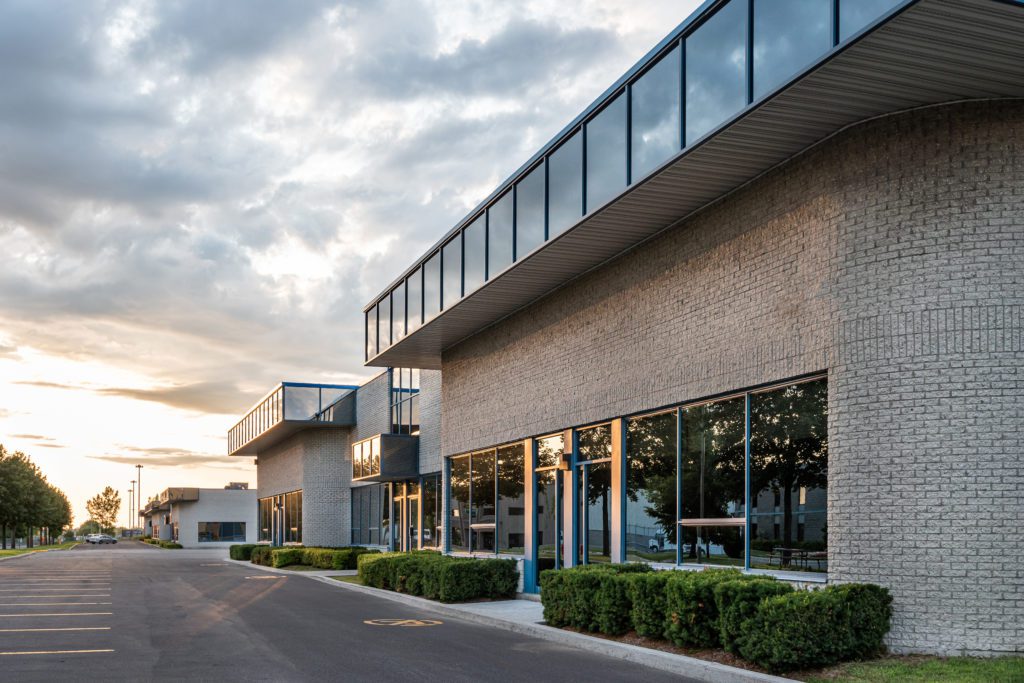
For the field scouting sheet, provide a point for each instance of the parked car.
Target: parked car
(99, 539)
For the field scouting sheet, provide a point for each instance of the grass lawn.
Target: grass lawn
(923, 669)
(38, 549)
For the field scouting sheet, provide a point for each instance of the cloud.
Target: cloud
(207, 397)
(32, 437)
(168, 457)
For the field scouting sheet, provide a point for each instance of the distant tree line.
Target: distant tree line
(29, 503)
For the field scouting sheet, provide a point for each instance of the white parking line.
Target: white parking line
(64, 628)
(51, 590)
(60, 614)
(52, 652)
(38, 596)
(40, 604)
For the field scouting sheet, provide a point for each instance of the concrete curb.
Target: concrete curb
(699, 669)
(287, 572)
(35, 551)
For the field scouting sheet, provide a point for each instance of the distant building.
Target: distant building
(345, 465)
(203, 518)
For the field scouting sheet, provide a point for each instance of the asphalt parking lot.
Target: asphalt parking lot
(135, 612)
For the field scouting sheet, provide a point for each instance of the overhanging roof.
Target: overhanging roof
(929, 52)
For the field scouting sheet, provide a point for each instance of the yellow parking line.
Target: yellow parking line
(60, 614)
(52, 652)
(65, 628)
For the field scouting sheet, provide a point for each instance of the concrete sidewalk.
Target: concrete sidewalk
(526, 616)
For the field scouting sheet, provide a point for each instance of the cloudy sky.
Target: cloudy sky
(197, 198)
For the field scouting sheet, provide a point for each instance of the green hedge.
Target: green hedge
(241, 552)
(647, 603)
(261, 555)
(691, 614)
(594, 597)
(738, 602)
(334, 558)
(807, 629)
(439, 577)
(760, 618)
(283, 557)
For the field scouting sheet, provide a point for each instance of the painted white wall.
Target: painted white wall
(215, 505)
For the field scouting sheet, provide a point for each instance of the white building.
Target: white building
(203, 518)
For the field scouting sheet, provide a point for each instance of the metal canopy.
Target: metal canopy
(935, 51)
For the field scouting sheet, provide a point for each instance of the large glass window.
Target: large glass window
(293, 517)
(221, 532)
(398, 313)
(474, 240)
(530, 212)
(606, 154)
(482, 502)
(594, 443)
(371, 333)
(458, 504)
(414, 299)
(651, 488)
(432, 287)
(788, 35)
(565, 186)
(431, 502)
(266, 507)
(366, 458)
(655, 120)
(405, 389)
(594, 513)
(550, 450)
(548, 501)
(384, 323)
(789, 477)
(716, 65)
(856, 14)
(511, 499)
(499, 235)
(713, 482)
(451, 263)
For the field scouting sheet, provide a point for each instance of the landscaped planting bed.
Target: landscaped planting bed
(434, 576)
(760, 619)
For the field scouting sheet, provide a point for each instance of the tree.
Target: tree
(27, 500)
(104, 506)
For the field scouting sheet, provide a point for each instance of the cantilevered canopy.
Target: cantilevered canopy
(289, 408)
(904, 54)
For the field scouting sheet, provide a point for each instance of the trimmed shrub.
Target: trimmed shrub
(591, 597)
(284, 557)
(333, 558)
(811, 629)
(690, 609)
(738, 601)
(241, 552)
(170, 545)
(261, 555)
(501, 578)
(438, 577)
(647, 602)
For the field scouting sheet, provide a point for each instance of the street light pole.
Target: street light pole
(131, 507)
(139, 479)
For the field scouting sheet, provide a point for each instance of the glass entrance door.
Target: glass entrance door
(405, 516)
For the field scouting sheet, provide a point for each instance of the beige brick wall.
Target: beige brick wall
(891, 256)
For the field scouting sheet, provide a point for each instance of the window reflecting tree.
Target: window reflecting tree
(789, 452)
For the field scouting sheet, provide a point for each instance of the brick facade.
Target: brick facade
(892, 256)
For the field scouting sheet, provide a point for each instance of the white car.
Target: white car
(100, 539)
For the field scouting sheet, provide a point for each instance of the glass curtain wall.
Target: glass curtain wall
(405, 401)
(430, 498)
(266, 507)
(689, 472)
(368, 513)
(593, 494)
(487, 496)
(740, 53)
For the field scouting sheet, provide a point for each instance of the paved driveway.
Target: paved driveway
(134, 612)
